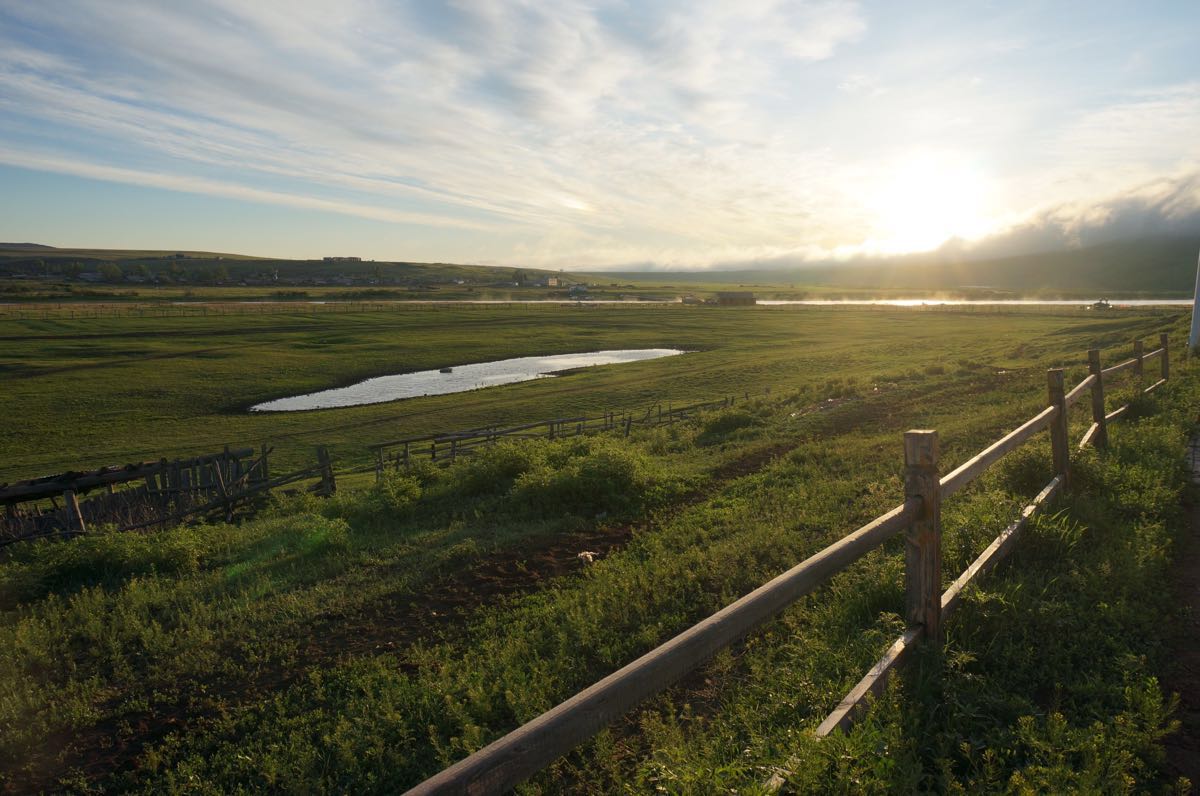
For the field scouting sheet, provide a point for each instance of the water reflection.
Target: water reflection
(459, 379)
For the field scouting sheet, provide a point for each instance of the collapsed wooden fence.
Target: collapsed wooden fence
(523, 752)
(152, 493)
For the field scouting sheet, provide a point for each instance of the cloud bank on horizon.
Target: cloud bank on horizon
(596, 134)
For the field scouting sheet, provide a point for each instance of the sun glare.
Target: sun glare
(926, 200)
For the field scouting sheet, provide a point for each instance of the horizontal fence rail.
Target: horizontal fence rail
(971, 469)
(446, 447)
(521, 753)
(524, 751)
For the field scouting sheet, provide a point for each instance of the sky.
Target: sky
(596, 134)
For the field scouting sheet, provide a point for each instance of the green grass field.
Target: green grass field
(361, 643)
(114, 390)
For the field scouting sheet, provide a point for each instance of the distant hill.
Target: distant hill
(11, 250)
(36, 259)
(1162, 266)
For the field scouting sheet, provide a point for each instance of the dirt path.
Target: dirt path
(1183, 748)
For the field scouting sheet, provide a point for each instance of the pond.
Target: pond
(460, 378)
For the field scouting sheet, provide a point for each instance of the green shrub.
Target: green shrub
(390, 499)
(724, 424)
(492, 470)
(96, 559)
(591, 477)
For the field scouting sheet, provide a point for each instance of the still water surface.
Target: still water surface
(460, 379)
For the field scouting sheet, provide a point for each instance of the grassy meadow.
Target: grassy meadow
(94, 391)
(363, 642)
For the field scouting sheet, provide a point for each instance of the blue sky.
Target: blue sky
(592, 134)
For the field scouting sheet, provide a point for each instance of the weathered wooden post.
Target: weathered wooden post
(74, 516)
(379, 465)
(923, 551)
(1100, 438)
(328, 485)
(1058, 426)
(1138, 354)
(1163, 343)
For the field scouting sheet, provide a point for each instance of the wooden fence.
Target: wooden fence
(152, 493)
(447, 446)
(521, 753)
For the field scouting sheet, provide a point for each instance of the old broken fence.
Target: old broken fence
(150, 494)
(521, 753)
(448, 446)
(159, 493)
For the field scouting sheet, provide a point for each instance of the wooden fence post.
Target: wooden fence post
(1058, 427)
(1100, 438)
(1163, 340)
(1138, 352)
(328, 485)
(74, 515)
(923, 551)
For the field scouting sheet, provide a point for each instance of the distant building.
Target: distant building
(578, 290)
(552, 282)
(736, 298)
(343, 259)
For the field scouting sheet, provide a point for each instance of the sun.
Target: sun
(925, 200)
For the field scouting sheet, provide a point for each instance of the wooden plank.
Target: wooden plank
(967, 472)
(1089, 436)
(1154, 386)
(1079, 389)
(1115, 369)
(1000, 547)
(504, 763)
(872, 684)
(1114, 414)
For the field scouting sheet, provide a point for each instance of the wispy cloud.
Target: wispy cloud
(575, 133)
